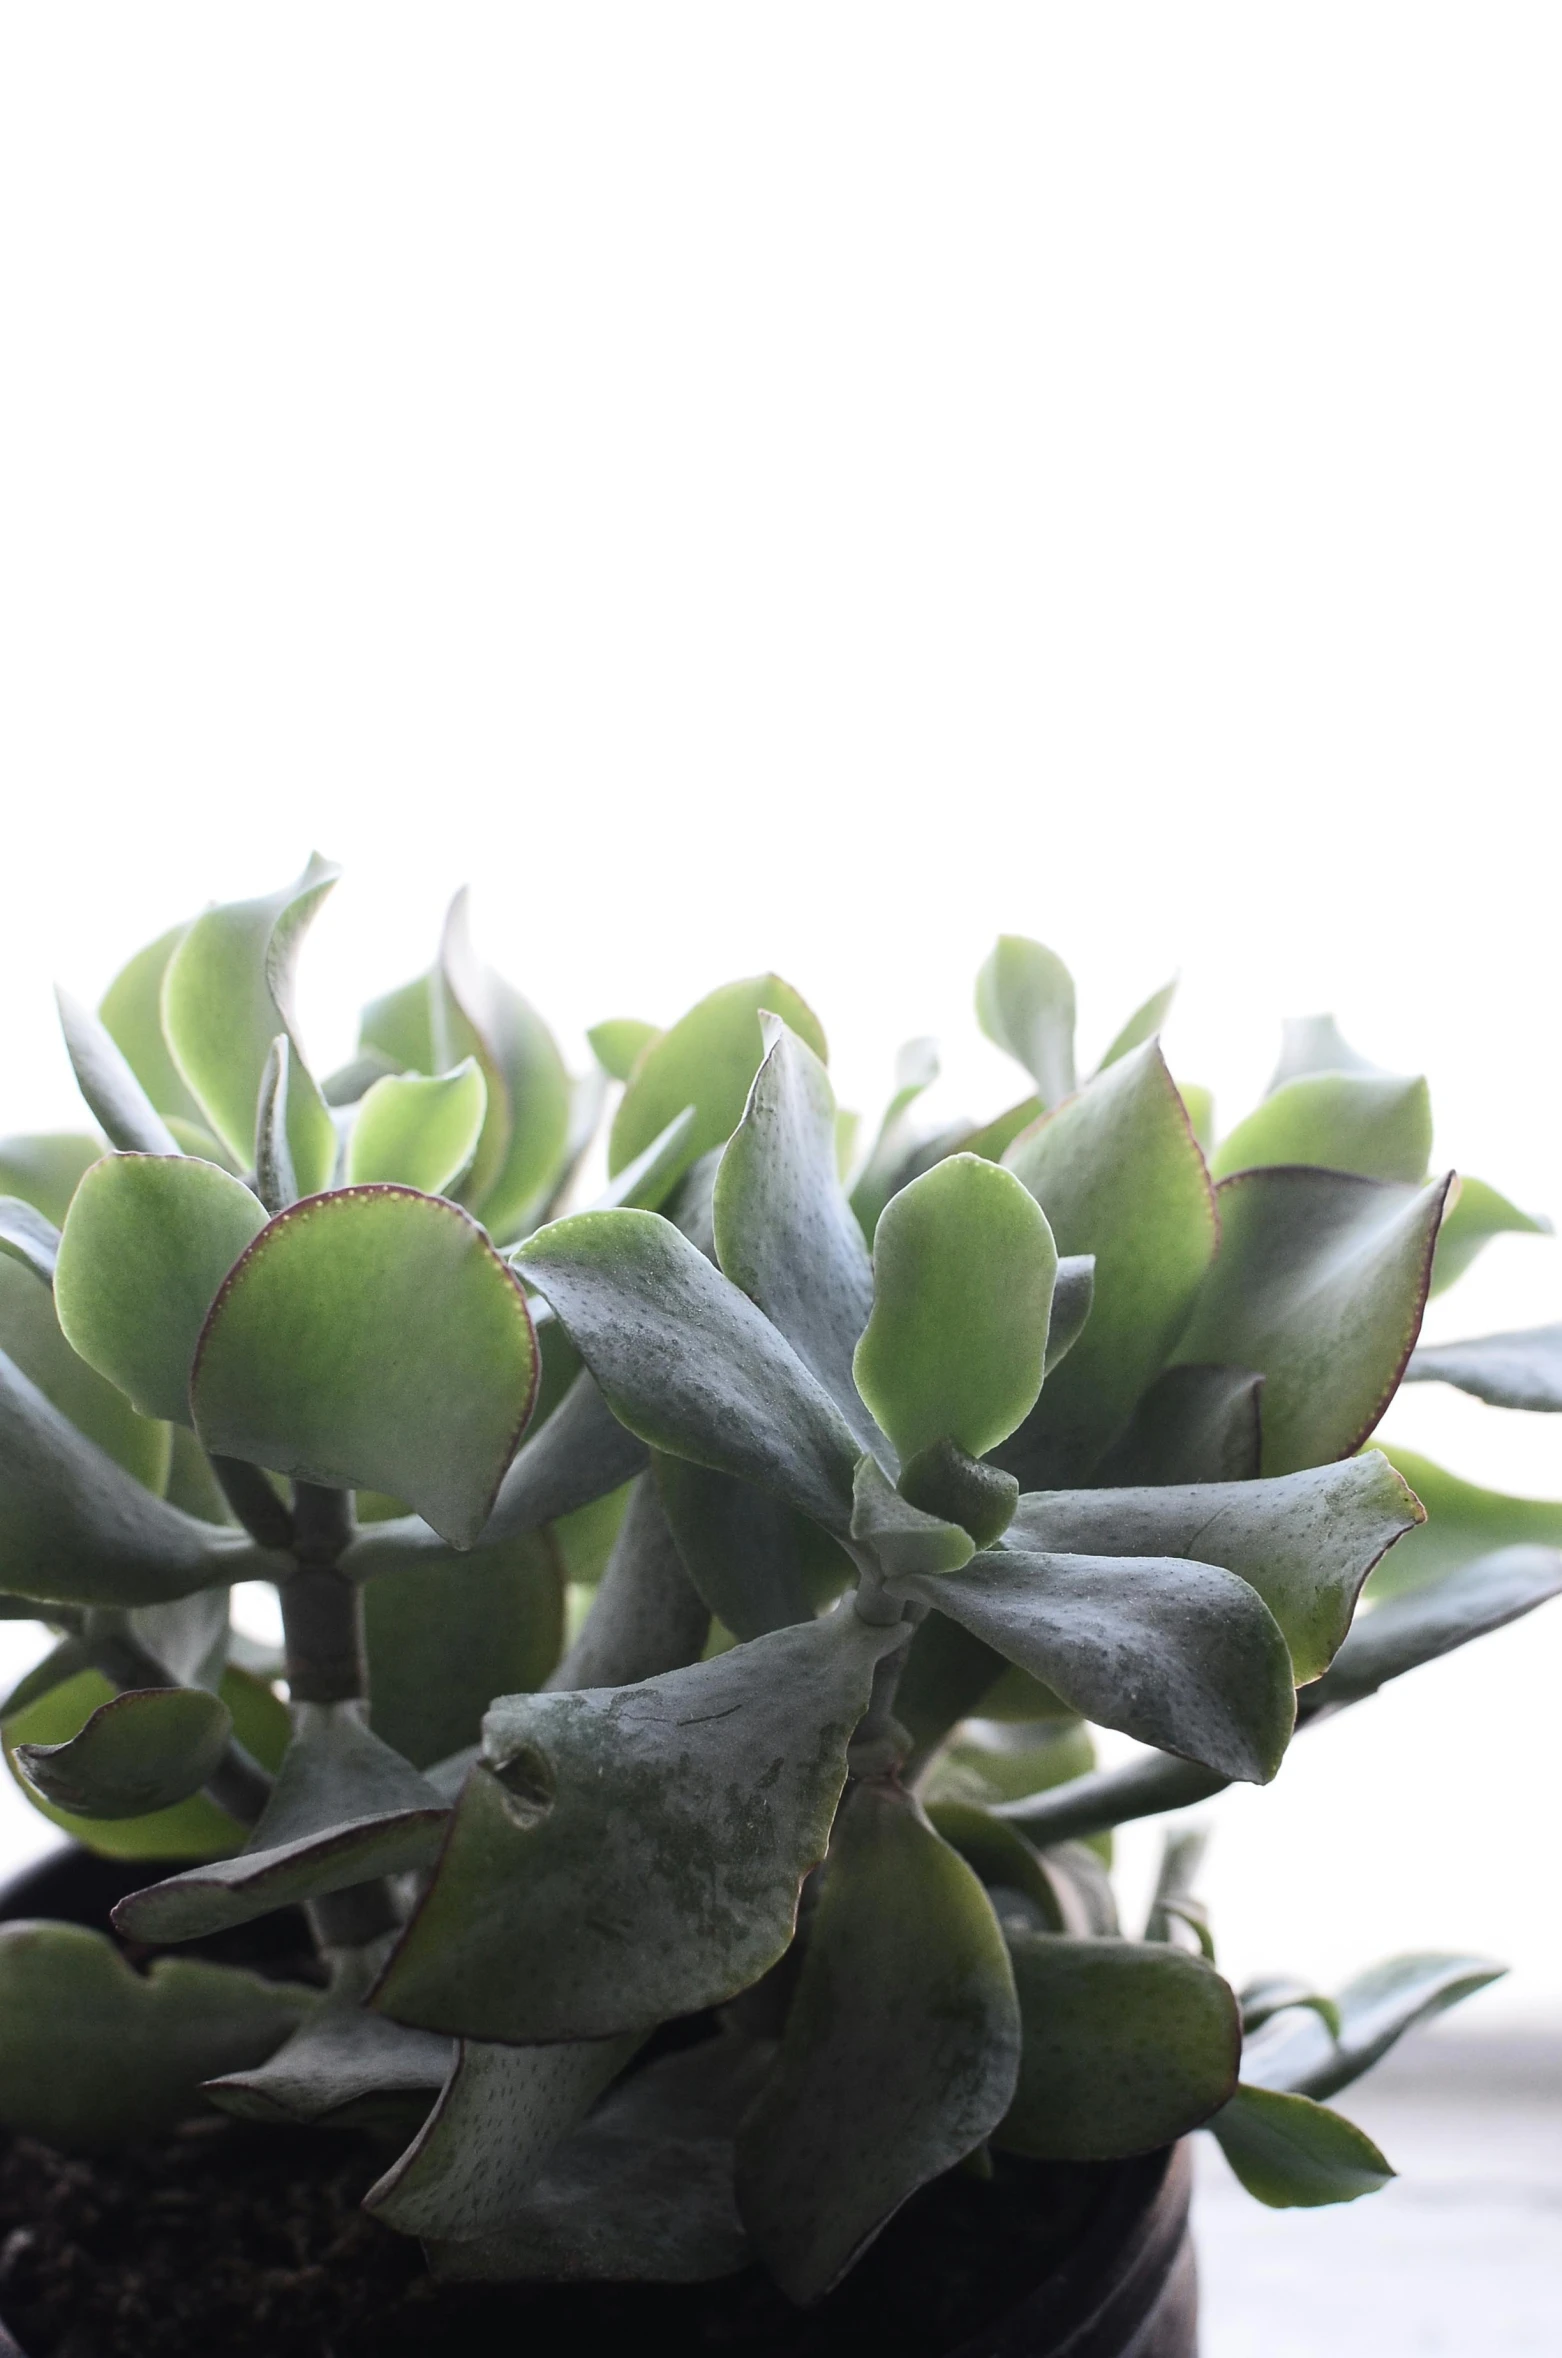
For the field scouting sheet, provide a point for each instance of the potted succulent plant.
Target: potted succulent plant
(676, 1872)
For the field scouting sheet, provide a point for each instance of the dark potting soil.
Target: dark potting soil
(232, 2239)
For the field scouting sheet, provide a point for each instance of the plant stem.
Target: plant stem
(322, 1610)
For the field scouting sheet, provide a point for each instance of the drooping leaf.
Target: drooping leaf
(1118, 1174)
(143, 1751)
(1425, 1622)
(227, 993)
(1292, 2153)
(708, 1060)
(1297, 2053)
(1305, 1541)
(1474, 1216)
(685, 1359)
(1090, 1805)
(526, 1123)
(620, 1855)
(345, 1808)
(375, 1338)
(784, 1231)
(901, 1537)
(1179, 1654)
(963, 1269)
(446, 1634)
(1319, 1288)
(900, 2052)
(418, 1128)
(1144, 1024)
(31, 1338)
(1522, 1370)
(500, 2114)
(113, 1095)
(1313, 1044)
(45, 1170)
(1463, 1521)
(147, 1244)
(1194, 1424)
(75, 1528)
(1025, 1004)
(342, 2068)
(647, 1616)
(1371, 1123)
(26, 1236)
(916, 1069)
(618, 1044)
(743, 1550)
(131, 1012)
(1126, 2046)
(94, 2054)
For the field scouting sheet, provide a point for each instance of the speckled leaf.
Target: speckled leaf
(646, 1616)
(1444, 1612)
(1462, 1522)
(1371, 1123)
(1522, 1370)
(114, 1096)
(26, 1236)
(620, 1855)
(525, 1129)
(1118, 1174)
(1305, 1541)
(418, 1128)
(1176, 1653)
(1319, 1287)
(148, 1241)
(227, 993)
(342, 2069)
(900, 2051)
(784, 1230)
(447, 1633)
(686, 1360)
(31, 1338)
(144, 1750)
(1127, 2045)
(45, 1170)
(94, 2054)
(707, 1060)
(372, 1338)
(345, 1807)
(1476, 1213)
(1294, 2154)
(1296, 2053)
(1025, 1003)
(618, 1044)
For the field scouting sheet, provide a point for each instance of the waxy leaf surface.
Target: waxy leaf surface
(131, 1012)
(1444, 1612)
(1474, 1216)
(618, 1043)
(1522, 1370)
(31, 1338)
(707, 1060)
(1463, 1521)
(916, 1069)
(420, 1129)
(581, 1454)
(114, 1096)
(739, 1546)
(342, 2068)
(646, 1616)
(26, 1236)
(1294, 2154)
(1194, 1424)
(1025, 1003)
(903, 1538)
(45, 1169)
(1370, 1123)
(1144, 1024)
(143, 1751)
(372, 1338)
(1298, 2054)
(525, 1131)
(446, 1633)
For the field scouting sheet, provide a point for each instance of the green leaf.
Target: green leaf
(227, 993)
(1143, 1788)
(646, 1616)
(916, 1069)
(525, 1133)
(707, 1060)
(784, 1231)
(901, 1537)
(580, 1455)
(341, 2069)
(75, 1528)
(1294, 2154)
(1073, 1299)
(1118, 1175)
(345, 1808)
(992, 1140)
(1313, 1044)
(1319, 1287)
(645, 1184)
(1194, 1424)
(131, 1012)
(400, 1027)
(1025, 1003)
(31, 1337)
(113, 1094)
(1444, 1612)
(1004, 1860)
(1182, 1655)
(946, 1481)
(45, 1170)
(1370, 1123)
(148, 1241)
(1297, 2054)
(900, 2052)
(1476, 1213)
(445, 1636)
(624, 1854)
(1306, 1542)
(1522, 1370)
(741, 1548)
(1127, 2045)
(1199, 1106)
(686, 1361)
(276, 1181)
(144, 1750)
(94, 2054)
(1273, 1992)
(418, 1129)
(1144, 1024)
(963, 1270)
(1462, 1522)
(619, 1043)
(372, 1338)
(500, 2114)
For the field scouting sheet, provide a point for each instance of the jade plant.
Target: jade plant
(697, 1587)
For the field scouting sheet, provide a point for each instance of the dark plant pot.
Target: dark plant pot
(1050, 2261)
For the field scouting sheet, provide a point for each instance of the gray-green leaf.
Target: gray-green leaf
(1294, 2154)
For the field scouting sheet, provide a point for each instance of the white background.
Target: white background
(815, 487)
